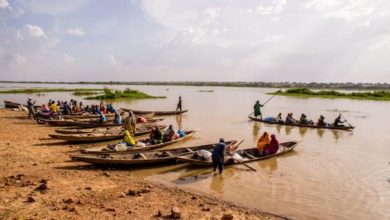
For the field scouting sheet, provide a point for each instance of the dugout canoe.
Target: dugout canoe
(249, 155)
(92, 123)
(139, 112)
(9, 104)
(87, 116)
(303, 125)
(105, 150)
(141, 158)
(99, 129)
(97, 137)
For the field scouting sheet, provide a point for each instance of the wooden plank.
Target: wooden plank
(249, 155)
(143, 156)
(189, 150)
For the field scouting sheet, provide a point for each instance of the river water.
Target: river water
(330, 175)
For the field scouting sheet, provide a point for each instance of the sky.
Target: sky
(195, 40)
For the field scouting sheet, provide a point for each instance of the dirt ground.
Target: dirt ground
(37, 182)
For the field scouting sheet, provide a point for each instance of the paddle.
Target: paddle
(239, 162)
(346, 120)
(267, 100)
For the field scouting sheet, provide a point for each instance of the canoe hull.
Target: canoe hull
(139, 112)
(287, 147)
(302, 125)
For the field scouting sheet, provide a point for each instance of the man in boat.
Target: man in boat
(290, 119)
(303, 119)
(102, 118)
(257, 110)
(321, 121)
(66, 110)
(272, 147)
(179, 104)
(156, 136)
(262, 142)
(218, 156)
(338, 122)
(30, 107)
(169, 134)
(279, 118)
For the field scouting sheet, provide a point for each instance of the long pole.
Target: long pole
(267, 100)
(346, 120)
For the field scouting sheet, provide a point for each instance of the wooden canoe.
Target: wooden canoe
(9, 104)
(303, 125)
(155, 112)
(249, 155)
(87, 116)
(141, 159)
(100, 130)
(97, 137)
(105, 150)
(90, 124)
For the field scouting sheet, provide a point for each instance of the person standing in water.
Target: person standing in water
(218, 155)
(179, 105)
(257, 110)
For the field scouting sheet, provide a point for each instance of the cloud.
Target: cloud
(112, 60)
(56, 7)
(274, 9)
(68, 59)
(20, 59)
(75, 32)
(383, 43)
(36, 31)
(4, 4)
(268, 39)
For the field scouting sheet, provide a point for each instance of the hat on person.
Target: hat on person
(222, 140)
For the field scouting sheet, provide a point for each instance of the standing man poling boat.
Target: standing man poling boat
(257, 110)
(179, 104)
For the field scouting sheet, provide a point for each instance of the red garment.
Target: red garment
(273, 146)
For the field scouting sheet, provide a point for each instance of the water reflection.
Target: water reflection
(179, 120)
(303, 131)
(256, 130)
(320, 132)
(269, 166)
(288, 129)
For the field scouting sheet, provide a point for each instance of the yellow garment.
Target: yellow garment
(129, 126)
(53, 107)
(263, 140)
(128, 138)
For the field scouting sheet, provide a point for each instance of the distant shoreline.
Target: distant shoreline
(312, 85)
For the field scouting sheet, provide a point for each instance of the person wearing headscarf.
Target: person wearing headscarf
(156, 136)
(169, 134)
(263, 141)
(128, 139)
(272, 147)
(117, 118)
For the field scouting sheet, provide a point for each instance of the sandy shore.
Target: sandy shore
(37, 182)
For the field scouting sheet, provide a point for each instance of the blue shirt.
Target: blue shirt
(219, 151)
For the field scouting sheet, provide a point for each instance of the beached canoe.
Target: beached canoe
(92, 123)
(248, 155)
(106, 149)
(303, 125)
(9, 104)
(155, 112)
(141, 159)
(97, 137)
(87, 116)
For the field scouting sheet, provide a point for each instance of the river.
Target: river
(330, 175)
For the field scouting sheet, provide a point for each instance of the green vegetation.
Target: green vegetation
(126, 94)
(305, 92)
(84, 93)
(45, 90)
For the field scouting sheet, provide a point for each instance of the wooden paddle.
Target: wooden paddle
(346, 120)
(239, 162)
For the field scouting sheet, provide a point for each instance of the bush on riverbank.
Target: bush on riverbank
(305, 92)
(126, 94)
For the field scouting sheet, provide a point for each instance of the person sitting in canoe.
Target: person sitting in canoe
(290, 119)
(128, 139)
(279, 118)
(169, 134)
(181, 133)
(156, 136)
(262, 142)
(130, 123)
(66, 110)
(257, 110)
(272, 147)
(321, 121)
(303, 119)
(338, 122)
(102, 118)
(218, 156)
(117, 118)
(110, 108)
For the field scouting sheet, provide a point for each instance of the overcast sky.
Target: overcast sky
(195, 40)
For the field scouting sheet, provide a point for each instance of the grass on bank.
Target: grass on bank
(305, 92)
(125, 94)
(45, 90)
